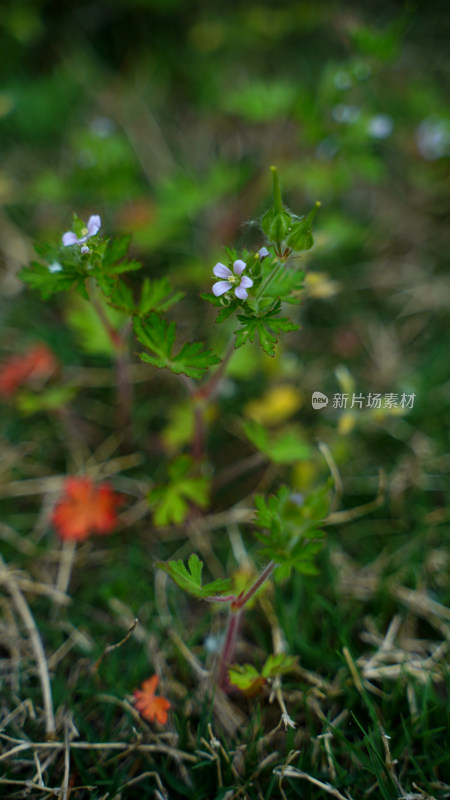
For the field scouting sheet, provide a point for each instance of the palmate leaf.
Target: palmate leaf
(39, 276)
(158, 336)
(190, 580)
(156, 295)
(290, 534)
(266, 326)
(172, 500)
(226, 305)
(251, 680)
(117, 293)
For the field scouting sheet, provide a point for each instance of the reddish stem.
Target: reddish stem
(243, 599)
(206, 392)
(236, 609)
(201, 397)
(118, 341)
(228, 650)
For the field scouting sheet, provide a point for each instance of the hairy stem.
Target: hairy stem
(124, 385)
(244, 598)
(236, 610)
(266, 283)
(118, 341)
(201, 397)
(206, 392)
(228, 649)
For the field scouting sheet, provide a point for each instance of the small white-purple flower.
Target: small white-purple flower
(93, 227)
(263, 253)
(238, 281)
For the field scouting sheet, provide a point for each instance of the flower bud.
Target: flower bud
(300, 236)
(276, 222)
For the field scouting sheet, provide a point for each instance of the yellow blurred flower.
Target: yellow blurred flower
(276, 406)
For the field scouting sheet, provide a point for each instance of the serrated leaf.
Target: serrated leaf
(226, 312)
(251, 680)
(117, 292)
(246, 678)
(190, 580)
(112, 255)
(289, 536)
(158, 336)
(116, 250)
(211, 298)
(157, 295)
(279, 664)
(266, 327)
(40, 277)
(170, 508)
(171, 502)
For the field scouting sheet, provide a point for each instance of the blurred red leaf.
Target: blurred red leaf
(85, 508)
(37, 362)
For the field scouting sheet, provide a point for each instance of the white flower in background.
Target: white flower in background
(380, 126)
(433, 138)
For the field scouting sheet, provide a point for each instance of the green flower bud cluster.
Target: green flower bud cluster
(284, 229)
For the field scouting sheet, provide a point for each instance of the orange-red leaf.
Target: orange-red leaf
(150, 706)
(85, 508)
(37, 363)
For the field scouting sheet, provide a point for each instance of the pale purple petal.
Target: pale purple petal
(221, 271)
(85, 249)
(240, 292)
(69, 238)
(221, 287)
(263, 253)
(93, 225)
(239, 266)
(246, 282)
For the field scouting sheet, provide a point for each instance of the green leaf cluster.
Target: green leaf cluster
(156, 295)
(289, 529)
(158, 336)
(190, 579)
(67, 268)
(266, 326)
(171, 502)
